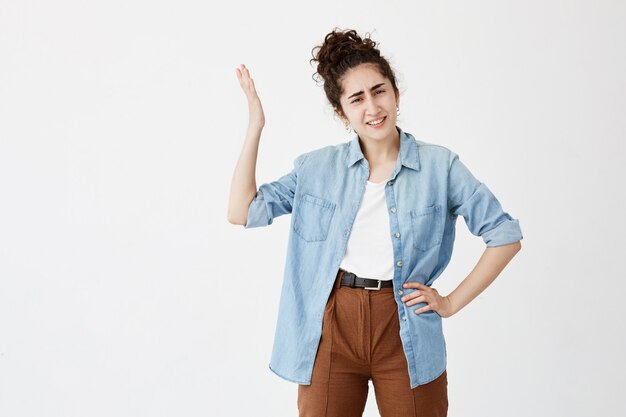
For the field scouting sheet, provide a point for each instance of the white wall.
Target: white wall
(125, 292)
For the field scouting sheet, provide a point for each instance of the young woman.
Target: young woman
(372, 227)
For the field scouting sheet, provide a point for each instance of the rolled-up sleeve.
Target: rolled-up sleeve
(274, 198)
(483, 213)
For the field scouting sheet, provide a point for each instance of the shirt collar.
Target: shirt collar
(408, 155)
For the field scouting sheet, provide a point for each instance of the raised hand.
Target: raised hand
(255, 109)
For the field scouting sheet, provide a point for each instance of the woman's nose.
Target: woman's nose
(372, 106)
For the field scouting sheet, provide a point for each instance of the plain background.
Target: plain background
(125, 292)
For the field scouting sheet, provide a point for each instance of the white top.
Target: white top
(370, 253)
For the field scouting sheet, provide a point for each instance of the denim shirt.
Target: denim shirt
(426, 192)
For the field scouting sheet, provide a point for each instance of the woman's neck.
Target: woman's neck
(381, 152)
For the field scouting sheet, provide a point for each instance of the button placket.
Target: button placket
(395, 227)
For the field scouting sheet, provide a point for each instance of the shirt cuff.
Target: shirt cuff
(504, 233)
(257, 212)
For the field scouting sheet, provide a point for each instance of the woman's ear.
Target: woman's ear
(341, 116)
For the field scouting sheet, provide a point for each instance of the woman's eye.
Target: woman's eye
(357, 99)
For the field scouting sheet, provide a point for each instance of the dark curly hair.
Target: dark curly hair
(341, 51)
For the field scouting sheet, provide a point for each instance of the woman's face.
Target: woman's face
(367, 97)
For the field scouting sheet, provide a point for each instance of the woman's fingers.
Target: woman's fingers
(425, 294)
(244, 76)
(407, 297)
(416, 300)
(246, 81)
(414, 284)
(417, 296)
(255, 109)
(423, 309)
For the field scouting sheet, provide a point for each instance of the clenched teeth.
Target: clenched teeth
(376, 122)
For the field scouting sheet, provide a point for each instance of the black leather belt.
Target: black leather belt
(351, 280)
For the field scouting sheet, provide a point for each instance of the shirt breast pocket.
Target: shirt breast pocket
(427, 227)
(312, 218)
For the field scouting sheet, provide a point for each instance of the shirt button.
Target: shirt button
(400, 292)
(403, 317)
(393, 209)
(345, 233)
(390, 182)
(397, 234)
(399, 263)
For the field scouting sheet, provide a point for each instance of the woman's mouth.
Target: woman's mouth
(377, 123)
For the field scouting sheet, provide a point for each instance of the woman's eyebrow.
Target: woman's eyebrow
(361, 92)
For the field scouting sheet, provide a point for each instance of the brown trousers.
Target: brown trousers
(361, 341)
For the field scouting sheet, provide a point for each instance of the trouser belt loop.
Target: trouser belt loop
(352, 278)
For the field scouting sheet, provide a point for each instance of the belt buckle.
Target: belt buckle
(373, 288)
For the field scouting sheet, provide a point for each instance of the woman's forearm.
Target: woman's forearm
(489, 266)
(243, 183)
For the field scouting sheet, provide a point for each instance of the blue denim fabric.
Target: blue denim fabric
(428, 189)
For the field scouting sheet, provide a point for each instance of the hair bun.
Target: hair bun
(337, 47)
